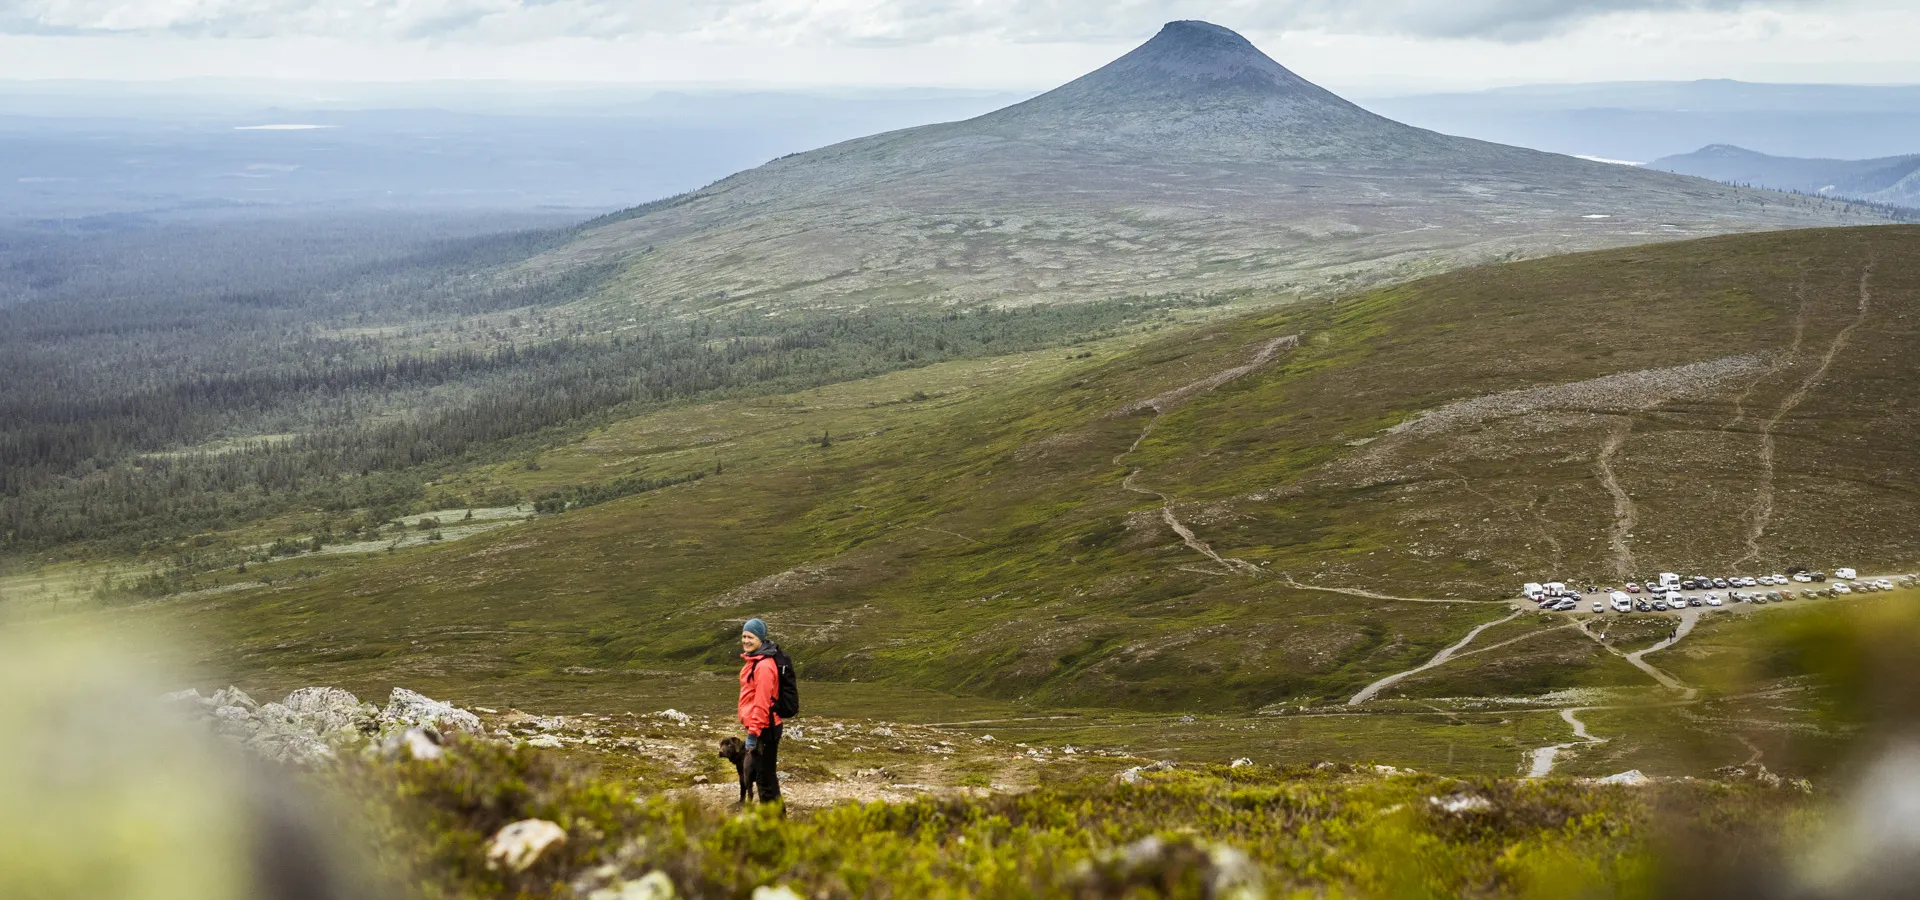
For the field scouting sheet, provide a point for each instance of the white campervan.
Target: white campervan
(1845, 574)
(1622, 601)
(1669, 581)
(1534, 591)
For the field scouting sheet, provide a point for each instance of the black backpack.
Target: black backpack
(786, 701)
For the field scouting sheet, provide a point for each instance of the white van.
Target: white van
(1669, 581)
(1845, 574)
(1622, 601)
(1533, 590)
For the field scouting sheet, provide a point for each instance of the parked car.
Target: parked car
(1720, 582)
(1714, 600)
(1659, 606)
(1840, 587)
(1633, 587)
(1643, 606)
(1599, 607)
(1802, 577)
(1846, 574)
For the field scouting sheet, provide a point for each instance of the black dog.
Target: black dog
(735, 751)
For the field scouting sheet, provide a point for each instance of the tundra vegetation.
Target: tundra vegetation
(1143, 503)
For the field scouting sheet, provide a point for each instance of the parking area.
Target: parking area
(1669, 592)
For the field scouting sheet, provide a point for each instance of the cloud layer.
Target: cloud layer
(848, 22)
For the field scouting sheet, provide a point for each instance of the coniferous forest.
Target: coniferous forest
(168, 378)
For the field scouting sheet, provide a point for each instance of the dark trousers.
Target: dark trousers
(766, 762)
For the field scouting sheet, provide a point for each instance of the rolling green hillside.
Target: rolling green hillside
(1260, 512)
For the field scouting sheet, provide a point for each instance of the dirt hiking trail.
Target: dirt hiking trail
(1544, 757)
(1762, 509)
(1368, 692)
(1165, 402)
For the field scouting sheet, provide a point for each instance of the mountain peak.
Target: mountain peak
(1203, 51)
(1198, 89)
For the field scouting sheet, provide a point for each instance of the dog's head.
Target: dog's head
(733, 749)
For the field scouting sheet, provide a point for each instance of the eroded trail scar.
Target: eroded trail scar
(1805, 307)
(1161, 404)
(1368, 692)
(1687, 620)
(1625, 514)
(1761, 512)
(1544, 757)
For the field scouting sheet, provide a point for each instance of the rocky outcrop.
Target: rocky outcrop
(314, 725)
(406, 708)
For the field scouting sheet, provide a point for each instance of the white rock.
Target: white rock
(1137, 774)
(329, 711)
(655, 886)
(675, 716)
(1461, 803)
(1240, 763)
(232, 696)
(776, 893)
(1630, 776)
(413, 743)
(519, 845)
(882, 731)
(544, 742)
(1235, 876)
(404, 707)
(190, 695)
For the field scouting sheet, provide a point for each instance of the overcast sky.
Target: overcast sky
(1360, 46)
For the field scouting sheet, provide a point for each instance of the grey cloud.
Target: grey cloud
(848, 22)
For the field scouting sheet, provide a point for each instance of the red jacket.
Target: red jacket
(757, 690)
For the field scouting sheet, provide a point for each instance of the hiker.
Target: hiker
(759, 692)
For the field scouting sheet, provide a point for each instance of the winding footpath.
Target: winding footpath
(1687, 620)
(1368, 692)
(1161, 404)
(1544, 757)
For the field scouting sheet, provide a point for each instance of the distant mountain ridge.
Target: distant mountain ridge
(1893, 180)
(1650, 120)
(1194, 163)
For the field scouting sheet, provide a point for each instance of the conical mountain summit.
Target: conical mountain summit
(1194, 163)
(1191, 55)
(1198, 86)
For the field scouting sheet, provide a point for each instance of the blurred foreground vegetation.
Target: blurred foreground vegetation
(1330, 831)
